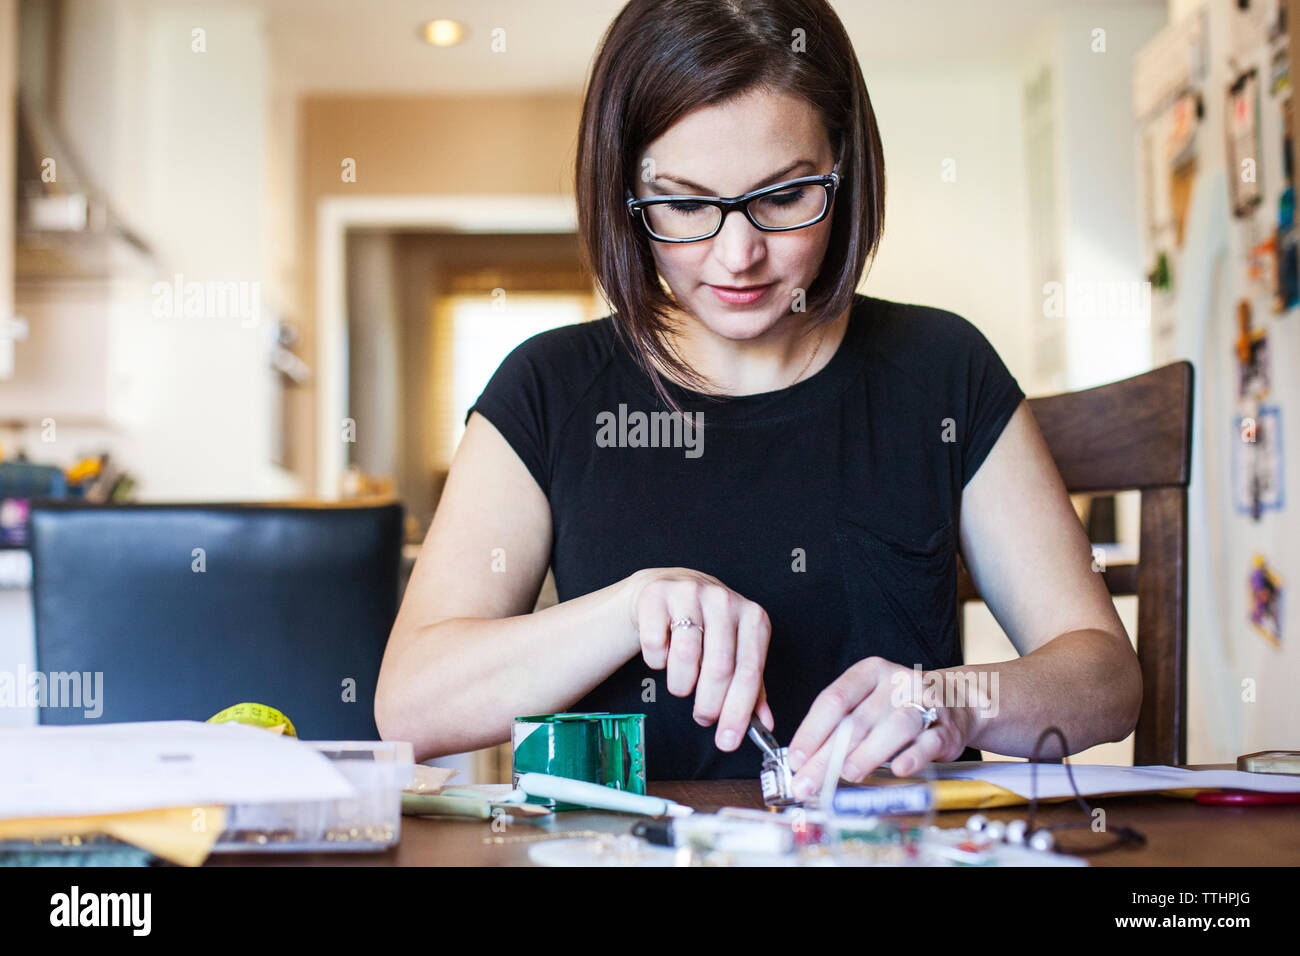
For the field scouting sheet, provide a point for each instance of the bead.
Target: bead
(1041, 840)
(996, 830)
(976, 822)
(1016, 831)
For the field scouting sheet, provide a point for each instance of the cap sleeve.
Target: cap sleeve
(514, 402)
(992, 396)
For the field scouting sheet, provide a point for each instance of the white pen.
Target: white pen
(600, 797)
(839, 751)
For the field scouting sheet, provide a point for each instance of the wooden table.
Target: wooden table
(1179, 832)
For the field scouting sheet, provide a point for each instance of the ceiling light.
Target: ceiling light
(443, 32)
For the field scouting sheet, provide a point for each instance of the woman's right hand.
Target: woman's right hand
(723, 665)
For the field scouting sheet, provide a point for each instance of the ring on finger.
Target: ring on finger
(929, 715)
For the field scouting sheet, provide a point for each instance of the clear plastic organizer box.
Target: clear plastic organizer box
(369, 822)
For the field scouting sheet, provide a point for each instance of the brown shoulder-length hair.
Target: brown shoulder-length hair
(661, 59)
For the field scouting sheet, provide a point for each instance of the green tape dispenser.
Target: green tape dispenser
(603, 748)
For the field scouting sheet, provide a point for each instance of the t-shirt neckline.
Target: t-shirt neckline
(809, 393)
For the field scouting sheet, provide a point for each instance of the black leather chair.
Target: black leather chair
(284, 605)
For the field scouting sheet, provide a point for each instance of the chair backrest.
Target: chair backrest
(1136, 434)
(187, 609)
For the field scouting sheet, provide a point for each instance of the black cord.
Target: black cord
(1124, 835)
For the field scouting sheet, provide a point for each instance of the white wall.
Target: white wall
(1181, 8)
(1099, 202)
(958, 245)
(204, 400)
(178, 140)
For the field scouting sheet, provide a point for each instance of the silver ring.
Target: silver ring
(928, 714)
(684, 622)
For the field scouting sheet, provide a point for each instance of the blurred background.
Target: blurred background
(274, 250)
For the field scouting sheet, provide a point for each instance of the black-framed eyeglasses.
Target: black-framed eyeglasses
(781, 207)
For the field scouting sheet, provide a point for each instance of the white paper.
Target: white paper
(116, 768)
(1094, 779)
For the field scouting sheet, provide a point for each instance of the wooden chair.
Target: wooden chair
(1136, 434)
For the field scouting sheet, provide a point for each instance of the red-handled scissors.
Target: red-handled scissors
(1246, 798)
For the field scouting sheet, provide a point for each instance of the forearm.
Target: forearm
(456, 685)
(1085, 682)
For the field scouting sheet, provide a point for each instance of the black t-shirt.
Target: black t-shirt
(833, 503)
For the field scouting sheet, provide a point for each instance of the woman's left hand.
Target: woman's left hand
(874, 692)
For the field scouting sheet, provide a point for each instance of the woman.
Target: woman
(782, 538)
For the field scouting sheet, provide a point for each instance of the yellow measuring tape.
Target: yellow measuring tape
(259, 715)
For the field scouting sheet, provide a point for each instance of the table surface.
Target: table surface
(1179, 831)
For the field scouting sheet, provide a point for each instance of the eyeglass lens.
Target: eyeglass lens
(681, 219)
